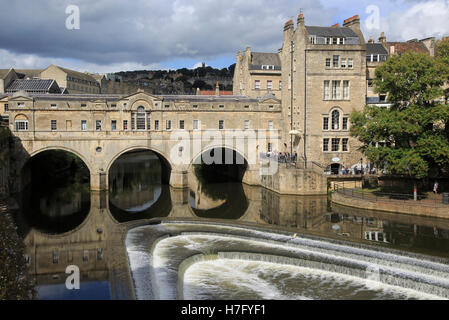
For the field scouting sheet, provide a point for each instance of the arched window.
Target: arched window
(335, 120)
(21, 123)
(141, 118)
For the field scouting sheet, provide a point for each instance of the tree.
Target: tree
(414, 131)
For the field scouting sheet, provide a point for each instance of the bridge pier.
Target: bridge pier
(179, 179)
(99, 181)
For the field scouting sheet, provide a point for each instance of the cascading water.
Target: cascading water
(213, 261)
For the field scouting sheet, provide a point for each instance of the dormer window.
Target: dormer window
(267, 67)
(312, 39)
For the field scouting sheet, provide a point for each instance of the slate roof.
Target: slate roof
(403, 47)
(34, 85)
(375, 49)
(331, 32)
(269, 59)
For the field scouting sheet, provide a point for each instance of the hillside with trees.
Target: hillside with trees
(181, 81)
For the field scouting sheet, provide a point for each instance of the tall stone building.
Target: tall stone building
(257, 74)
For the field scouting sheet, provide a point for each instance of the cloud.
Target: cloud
(413, 19)
(148, 32)
(141, 34)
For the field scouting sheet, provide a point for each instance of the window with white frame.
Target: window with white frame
(336, 61)
(335, 120)
(269, 84)
(257, 84)
(325, 123)
(83, 125)
(312, 39)
(221, 124)
(335, 144)
(326, 90)
(21, 125)
(343, 63)
(326, 144)
(270, 125)
(181, 124)
(280, 85)
(336, 94)
(98, 125)
(345, 144)
(350, 63)
(345, 123)
(113, 125)
(328, 62)
(53, 125)
(168, 125)
(140, 119)
(346, 90)
(196, 124)
(156, 125)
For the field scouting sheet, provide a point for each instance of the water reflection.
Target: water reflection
(93, 239)
(136, 190)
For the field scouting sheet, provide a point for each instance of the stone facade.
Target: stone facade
(257, 74)
(100, 128)
(324, 72)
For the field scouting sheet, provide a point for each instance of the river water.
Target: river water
(223, 240)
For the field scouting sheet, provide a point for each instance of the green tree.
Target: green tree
(414, 131)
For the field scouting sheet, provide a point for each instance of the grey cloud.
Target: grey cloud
(149, 31)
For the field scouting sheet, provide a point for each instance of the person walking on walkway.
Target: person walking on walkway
(435, 187)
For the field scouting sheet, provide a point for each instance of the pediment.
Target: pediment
(270, 100)
(20, 98)
(141, 95)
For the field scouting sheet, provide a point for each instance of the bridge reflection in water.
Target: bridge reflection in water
(95, 242)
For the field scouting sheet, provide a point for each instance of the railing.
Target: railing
(422, 200)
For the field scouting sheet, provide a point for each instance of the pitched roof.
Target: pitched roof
(3, 73)
(265, 59)
(375, 49)
(331, 32)
(403, 47)
(34, 85)
(78, 75)
(28, 73)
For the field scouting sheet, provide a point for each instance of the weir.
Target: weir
(170, 257)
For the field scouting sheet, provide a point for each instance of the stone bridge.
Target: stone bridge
(177, 152)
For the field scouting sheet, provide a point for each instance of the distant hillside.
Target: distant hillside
(182, 81)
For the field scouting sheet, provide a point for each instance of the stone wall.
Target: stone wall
(398, 206)
(4, 162)
(296, 181)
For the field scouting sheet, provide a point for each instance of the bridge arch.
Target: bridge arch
(61, 148)
(167, 166)
(219, 146)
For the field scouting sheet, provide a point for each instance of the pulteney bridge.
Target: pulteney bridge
(179, 129)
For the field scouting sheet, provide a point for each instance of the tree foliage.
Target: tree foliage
(414, 131)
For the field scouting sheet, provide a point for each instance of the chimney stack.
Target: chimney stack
(382, 38)
(353, 21)
(289, 25)
(371, 40)
(300, 19)
(217, 89)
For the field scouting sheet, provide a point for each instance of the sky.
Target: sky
(123, 35)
